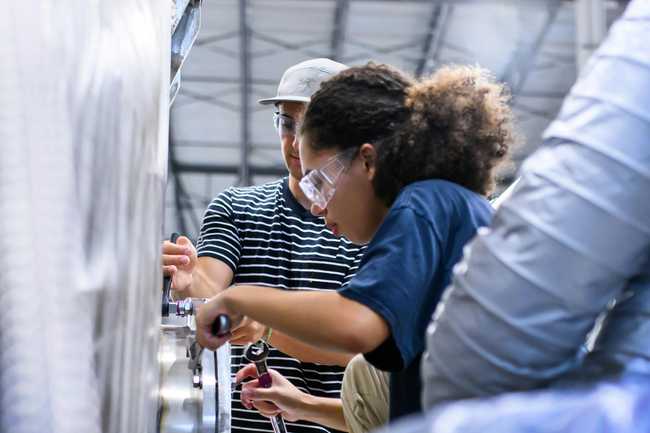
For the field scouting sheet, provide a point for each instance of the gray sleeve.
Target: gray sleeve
(569, 240)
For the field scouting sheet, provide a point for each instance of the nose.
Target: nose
(296, 143)
(317, 210)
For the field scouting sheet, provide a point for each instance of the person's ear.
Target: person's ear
(368, 155)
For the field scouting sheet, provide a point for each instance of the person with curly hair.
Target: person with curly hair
(401, 165)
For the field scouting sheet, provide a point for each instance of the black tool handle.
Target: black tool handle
(167, 284)
(221, 325)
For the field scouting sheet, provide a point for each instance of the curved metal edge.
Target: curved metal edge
(210, 399)
(183, 37)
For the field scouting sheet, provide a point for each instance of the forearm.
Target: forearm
(209, 278)
(202, 285)
(324, 411)
(306, 352)
(324, 319)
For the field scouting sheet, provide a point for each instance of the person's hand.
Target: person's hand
(282, 398)
(205, 317)
(178, 261)
(248, 331)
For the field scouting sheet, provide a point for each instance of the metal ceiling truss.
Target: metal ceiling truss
(302, 46)
(525, 54)
(187, 206)
(435, 33)
(245, 74)
(339, 29)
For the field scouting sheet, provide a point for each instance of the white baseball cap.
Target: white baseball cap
(301, 81)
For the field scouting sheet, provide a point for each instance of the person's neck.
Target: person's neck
(380, 210)
(294, 187)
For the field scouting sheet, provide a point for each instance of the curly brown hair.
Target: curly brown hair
(455, 125)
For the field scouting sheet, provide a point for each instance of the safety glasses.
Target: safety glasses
(319, 185)
(285, 125)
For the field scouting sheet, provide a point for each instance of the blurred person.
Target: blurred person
(265, 235)
(402, 166)
(570, 247)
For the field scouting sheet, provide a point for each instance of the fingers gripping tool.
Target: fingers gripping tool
(257, 354)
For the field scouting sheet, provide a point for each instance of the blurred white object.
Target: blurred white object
(572, 240)
(84, 100)
(609, 407)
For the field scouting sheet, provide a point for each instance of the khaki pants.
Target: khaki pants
(365, 396)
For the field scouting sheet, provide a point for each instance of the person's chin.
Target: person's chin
(358, 240)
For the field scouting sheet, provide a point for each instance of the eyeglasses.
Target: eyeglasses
(285, 125)
(319, 185)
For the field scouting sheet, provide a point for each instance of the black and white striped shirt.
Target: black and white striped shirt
(269, 239)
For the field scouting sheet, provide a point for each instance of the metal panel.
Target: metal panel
(84, 97)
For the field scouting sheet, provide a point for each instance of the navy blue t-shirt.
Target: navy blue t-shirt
(404, 271)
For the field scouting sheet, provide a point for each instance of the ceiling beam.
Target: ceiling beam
(245, 73)
(523, 59)
(433, 38)
(254, 170)
(339, 29)
(220, 79)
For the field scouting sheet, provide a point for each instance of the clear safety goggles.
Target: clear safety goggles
(285, 125)
(319, 185)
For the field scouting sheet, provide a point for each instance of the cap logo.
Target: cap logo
(306, 83)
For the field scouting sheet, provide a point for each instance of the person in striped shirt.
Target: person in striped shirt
(265, 235)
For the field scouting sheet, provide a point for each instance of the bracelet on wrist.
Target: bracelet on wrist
(267, 334)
